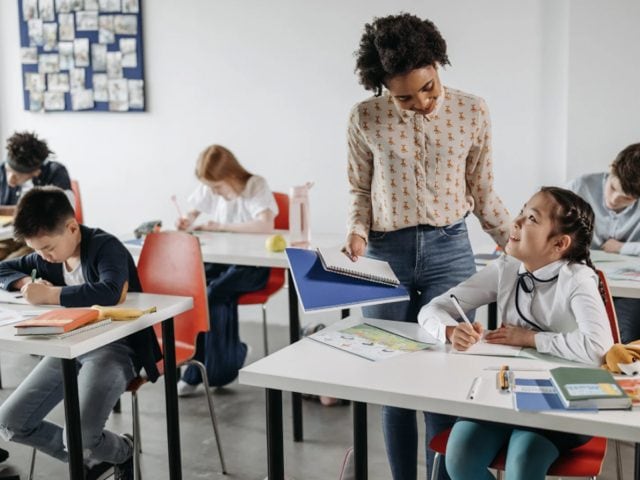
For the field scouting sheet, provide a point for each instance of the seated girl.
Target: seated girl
(549, 299)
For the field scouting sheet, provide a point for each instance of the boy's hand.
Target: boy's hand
(464, 335)
(612, 246)
(18, 284)
(39, 293)
(508, 335)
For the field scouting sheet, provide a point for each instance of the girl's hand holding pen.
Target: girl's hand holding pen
(183, 223)
(464, 335)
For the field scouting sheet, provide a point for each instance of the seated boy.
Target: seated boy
(77, 266)
(27, 165)
(614, 199)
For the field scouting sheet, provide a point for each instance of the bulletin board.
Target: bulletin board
(82, 55)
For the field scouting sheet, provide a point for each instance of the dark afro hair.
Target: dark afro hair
(27, 150)
(395, 45)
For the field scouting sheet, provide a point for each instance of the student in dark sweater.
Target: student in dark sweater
(76, 266)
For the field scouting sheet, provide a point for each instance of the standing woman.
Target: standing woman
(419, 163)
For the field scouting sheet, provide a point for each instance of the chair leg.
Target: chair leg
(265, 341)
(435, 471)
(499, 475)
(212, 414)
(619, 472)
(32, 467)
(137, 438)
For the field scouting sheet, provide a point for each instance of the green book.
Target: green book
(589, 388)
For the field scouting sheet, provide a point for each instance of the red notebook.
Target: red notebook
(57, 321)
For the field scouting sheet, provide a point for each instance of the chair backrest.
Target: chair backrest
(75, 188)
(609, 306)
(282, 219)
(171, 264)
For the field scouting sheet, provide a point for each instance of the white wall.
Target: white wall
(274, 82)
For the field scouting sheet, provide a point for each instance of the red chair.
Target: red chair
(75, 188)
(276, 275)
(583, 461)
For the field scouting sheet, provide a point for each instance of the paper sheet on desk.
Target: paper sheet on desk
(491, 349)
(12, 297)
(9, 316)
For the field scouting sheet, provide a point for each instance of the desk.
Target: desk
(69, 348)
(248, 249)
(313, 368)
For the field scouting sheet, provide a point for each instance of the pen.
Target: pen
(175, 202)
(503, 378)
(34, 273)
(475, 386)
(456, 304)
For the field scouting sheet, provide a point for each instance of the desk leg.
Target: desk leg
(360, 439)
(344, 313)
(492, 316)
(294, 336)
(275, 449)
(171, 399)
(636, 470)
(72, 418)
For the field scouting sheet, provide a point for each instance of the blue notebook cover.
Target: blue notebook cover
(320, 290)
(535, 395)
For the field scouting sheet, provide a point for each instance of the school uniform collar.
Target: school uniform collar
(545, 273)
(408, 115)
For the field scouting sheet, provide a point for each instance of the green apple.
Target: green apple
(275, 243)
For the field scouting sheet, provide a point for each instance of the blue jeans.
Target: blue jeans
(220, 349)
(628, 313)
(428, 261)
(474, 444)
(103, 375)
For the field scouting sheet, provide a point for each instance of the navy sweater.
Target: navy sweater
(51, 173)
(106, 266)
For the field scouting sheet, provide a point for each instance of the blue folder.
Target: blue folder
(320, 290)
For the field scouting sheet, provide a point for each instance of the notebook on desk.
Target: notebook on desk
(319, 289)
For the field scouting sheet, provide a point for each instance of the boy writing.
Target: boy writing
(78, 267)
(614, 199)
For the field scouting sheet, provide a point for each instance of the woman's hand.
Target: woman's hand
(464, 335)
(509, 335)
(355, 246)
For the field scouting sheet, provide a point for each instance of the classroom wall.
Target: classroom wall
(274, 82)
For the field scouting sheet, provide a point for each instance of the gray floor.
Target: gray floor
(240, 411)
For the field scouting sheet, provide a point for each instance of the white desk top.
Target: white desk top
(75, 345)
(431, 380)
(247, 248)
(6, 232)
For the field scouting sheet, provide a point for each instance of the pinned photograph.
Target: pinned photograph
(77, 79)
(86, 21)
(125, 24)
(63, 6)
(100, 87)
(36, 101)
(77, 5)
(114, 65)
(29, 9)
(118, 95)
(65, 50)
(35, 32)
(58, 82)
(110, 5)
(129, 54)
(53, 101)
(49, 63)
(29, 55)
(82, 100)
(106, 32)
(99, 57)
(91, 5)
(136, 94)
(34, 82)
(50, 34)
(81, 52)
(130, 6)
(66, 30)
(47, 12)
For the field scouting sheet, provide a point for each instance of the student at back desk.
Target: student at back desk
(77, 266)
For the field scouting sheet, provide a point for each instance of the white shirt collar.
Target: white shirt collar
(547, 272)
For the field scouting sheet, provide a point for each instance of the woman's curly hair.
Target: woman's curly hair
(395, 45)
(27, 150)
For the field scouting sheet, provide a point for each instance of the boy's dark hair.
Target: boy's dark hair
(626, 167)
(26, 152)
(395, 45)
(41, 211)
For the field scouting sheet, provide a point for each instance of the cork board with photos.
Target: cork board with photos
(82, 55)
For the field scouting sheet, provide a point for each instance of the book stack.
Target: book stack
(61, 322)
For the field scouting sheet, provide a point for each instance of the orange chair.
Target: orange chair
(171, 264)
(276, 275)
(583, 461)
(75, 188)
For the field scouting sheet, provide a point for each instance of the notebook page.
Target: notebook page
(334, 259)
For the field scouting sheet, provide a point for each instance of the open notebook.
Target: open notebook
(335, 260)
